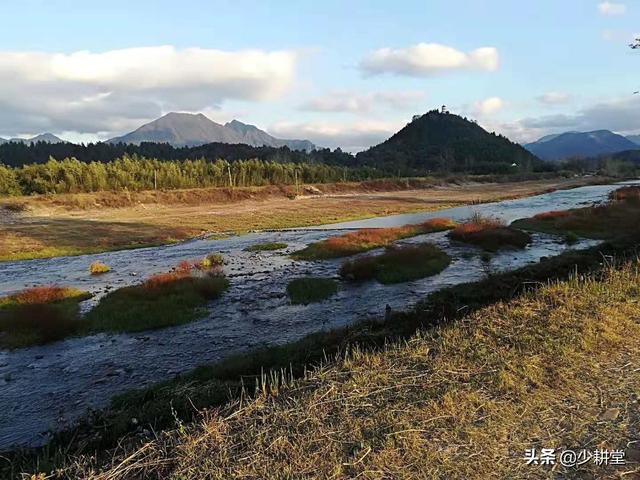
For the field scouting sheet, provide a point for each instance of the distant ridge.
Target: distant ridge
(634, 138)
(580, 144)
(43, 137)
(438, 141)
(189, 130)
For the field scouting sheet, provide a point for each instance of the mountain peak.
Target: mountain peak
(192, 129)
(580, 144)
(439, 141)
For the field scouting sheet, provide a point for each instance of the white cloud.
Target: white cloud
(611, 8)
(554, 98)
(426, 59)
(113, 91)
(349, 136)
(488, 106)
(344, 101)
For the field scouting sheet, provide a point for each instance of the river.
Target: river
(47, 388)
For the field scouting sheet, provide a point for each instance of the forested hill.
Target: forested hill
(18, 154)
(444, 142)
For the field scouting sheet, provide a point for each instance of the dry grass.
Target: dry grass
(631, 192)
(92, 223)
(458, 402)
(368, 239)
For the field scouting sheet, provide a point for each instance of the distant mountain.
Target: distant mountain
(446, 142)
(634, 138)
(43, 137)
(186, 129)
(2, 140)
(580, 144)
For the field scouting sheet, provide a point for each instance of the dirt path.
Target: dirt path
(53, 225)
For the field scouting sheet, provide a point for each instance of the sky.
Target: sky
(340, 73)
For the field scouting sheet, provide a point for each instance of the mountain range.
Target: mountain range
(581, 144)
(438, 141)
(188, 130)
(43, 137)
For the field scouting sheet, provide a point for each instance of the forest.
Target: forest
(134, 173)
(15, 154)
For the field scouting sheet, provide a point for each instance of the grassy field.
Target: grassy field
(462, 401)
(397, 264)
(368, 239)
(45, 226)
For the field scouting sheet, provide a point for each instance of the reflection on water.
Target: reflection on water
(47, 387)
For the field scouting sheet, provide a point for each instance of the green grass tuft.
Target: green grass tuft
(155, 304)
(307, 290)
(397, 264)
(266, 247)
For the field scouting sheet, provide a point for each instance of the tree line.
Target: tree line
(135, 173)
(16, 154)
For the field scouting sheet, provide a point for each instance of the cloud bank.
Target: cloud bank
(425, 59)
(112, 91)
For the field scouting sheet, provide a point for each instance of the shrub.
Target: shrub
(97, 268)
(211, 261)
(397, 264)
(261, 247)
(570, 238)
(490, 234)
(307, 290)
(368, 239)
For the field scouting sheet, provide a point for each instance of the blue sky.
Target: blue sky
(339, 73)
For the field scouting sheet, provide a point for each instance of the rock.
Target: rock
(610, 414)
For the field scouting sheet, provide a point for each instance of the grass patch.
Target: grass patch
(163, 300)
(397, 264)
(368, 239)
(266, 247)
(307, 290)
(615, 219)
(489, 234)
(39, 315)
(98, 268)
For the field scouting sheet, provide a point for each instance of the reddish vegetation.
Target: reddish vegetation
(370, 238)
(551, 215)
(39, 295)
(490, 234)
(626, 193)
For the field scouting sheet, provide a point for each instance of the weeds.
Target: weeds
(397, 264)
(265, 247)
(164, 299)
(489, 233)
(368, 239)
(39, 315)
